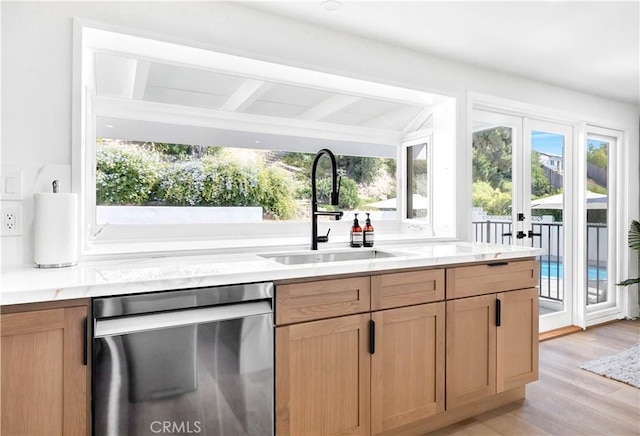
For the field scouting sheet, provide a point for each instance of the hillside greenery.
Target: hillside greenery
(147, 173)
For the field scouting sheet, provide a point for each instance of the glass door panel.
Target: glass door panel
(547, 212)
(519, 171)
(546, 146)
(494, 152)
(597, 211)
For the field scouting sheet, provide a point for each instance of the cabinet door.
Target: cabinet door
(517, 339)
(44, 389)
(471, 349)
(323, 377)
(407, 367)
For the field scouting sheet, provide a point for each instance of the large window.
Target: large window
(179, 144)
(160, 183)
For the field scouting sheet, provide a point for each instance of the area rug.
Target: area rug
(623, 366)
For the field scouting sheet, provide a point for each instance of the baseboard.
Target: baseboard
(559, 332)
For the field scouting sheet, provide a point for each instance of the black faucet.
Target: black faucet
(335, 192)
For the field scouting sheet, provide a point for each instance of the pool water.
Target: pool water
(555, 271)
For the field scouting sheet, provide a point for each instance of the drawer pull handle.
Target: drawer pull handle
(498, 264)
(85, 351)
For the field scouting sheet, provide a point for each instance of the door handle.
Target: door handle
(498, 312)
(519, 235)
(531, 234)
(178, 318)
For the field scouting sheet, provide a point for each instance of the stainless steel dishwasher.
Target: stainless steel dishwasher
(194, 361)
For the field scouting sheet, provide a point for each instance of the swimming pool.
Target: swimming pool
(555, 271)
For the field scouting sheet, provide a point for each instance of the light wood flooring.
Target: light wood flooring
(567, 400)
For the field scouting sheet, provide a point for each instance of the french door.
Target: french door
(521, 167)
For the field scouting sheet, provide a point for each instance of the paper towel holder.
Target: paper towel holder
(69, 261)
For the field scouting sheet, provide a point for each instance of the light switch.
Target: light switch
(11, 186)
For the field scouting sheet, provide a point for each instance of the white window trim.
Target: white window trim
(597, 312)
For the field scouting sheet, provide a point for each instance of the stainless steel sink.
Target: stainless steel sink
(323, 257)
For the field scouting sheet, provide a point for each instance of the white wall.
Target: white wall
(37, 72)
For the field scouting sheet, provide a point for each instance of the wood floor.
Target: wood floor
(567, 400)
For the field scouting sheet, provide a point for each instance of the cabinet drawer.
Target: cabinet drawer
(322, 299)
(405, 289)
(492, 277)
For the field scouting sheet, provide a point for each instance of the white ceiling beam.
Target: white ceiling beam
(116, 107)
(327, 107)
(141, 76)
(419, 120)
(245, 95)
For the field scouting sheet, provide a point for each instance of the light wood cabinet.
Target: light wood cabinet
(44, 372)
(407, 368)
(471, 349)
(324, 384)
(492, 345)
(517, 339)
(404, 352)
(323, 377)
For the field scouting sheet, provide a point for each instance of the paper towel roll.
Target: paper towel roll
(55, 230)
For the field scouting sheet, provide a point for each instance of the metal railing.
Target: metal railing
(551, 270)
(596, 266)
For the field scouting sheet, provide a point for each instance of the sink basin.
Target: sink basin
(323, 257)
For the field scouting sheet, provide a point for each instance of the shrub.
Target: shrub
(348, 198)
(224, 182)
(493, 201)
(126, 175)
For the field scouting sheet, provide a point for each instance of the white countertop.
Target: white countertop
(27, 284)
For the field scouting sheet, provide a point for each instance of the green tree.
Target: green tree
(181, 151)
(598, 155)
(363, 169)
(492, 155)
(540, 185)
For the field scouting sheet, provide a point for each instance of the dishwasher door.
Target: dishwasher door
(206, 371)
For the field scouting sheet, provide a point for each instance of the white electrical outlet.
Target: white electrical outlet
(11, 221)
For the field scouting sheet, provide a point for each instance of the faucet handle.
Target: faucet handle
(324, 238)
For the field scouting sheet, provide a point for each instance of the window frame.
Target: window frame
(102, 240)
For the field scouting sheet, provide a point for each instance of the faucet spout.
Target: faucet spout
(335, 194)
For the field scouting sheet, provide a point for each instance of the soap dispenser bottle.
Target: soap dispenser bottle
(356, 233)
(368, 233)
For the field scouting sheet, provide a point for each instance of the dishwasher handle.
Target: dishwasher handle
(178, 318)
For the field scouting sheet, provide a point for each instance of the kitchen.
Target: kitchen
(43, 72)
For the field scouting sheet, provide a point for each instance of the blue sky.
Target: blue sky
(547, 142)
(552, 142)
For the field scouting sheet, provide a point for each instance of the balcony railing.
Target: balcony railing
(550, 238)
